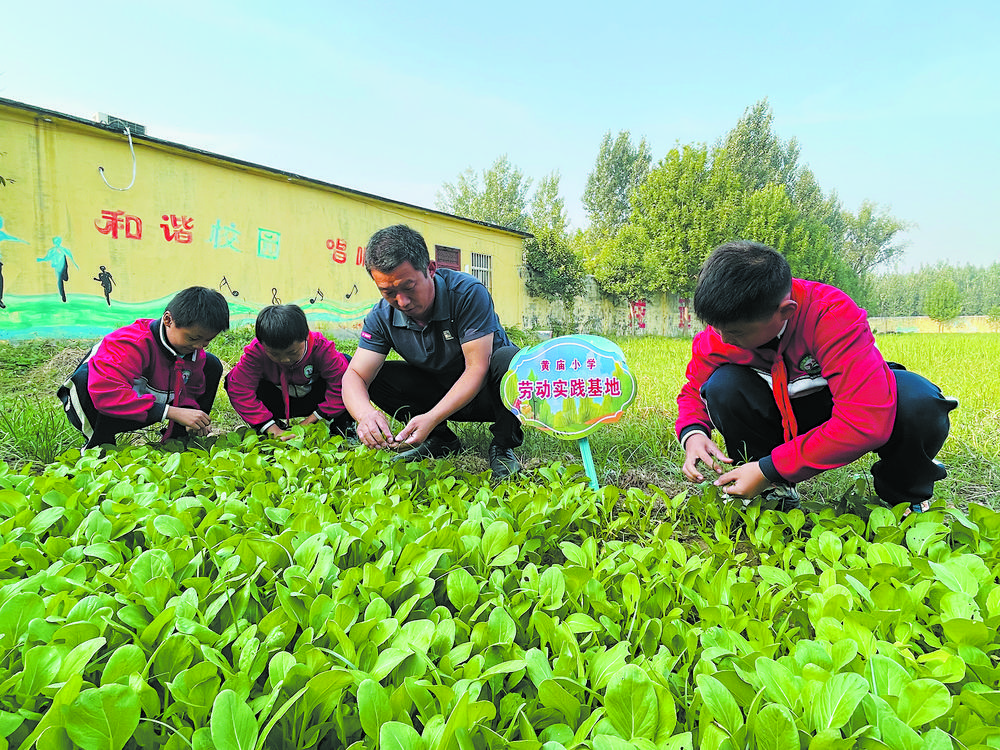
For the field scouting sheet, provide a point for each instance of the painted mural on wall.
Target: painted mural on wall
(5, 237)
(84, 313)
(80, 257)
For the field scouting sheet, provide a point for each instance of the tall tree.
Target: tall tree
(870, 238)
(498, 196)
(770, 216)
(944, 302)
(682, 210)
(757, 154)
(864, 240)
(619, 169)
(694, 200)
(548, 208)
(554, 270)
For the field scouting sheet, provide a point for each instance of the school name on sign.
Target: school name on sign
(569, 385)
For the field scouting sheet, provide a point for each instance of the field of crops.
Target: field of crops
(249, 593)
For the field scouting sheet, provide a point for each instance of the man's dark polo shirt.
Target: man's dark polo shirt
(463, 311)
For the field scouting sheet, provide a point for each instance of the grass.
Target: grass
(637, 452)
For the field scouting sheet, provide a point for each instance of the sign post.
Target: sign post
(568, 386)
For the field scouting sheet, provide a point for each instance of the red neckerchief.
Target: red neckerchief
(178, 389)
(779, 386)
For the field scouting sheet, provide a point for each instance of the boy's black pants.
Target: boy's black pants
(106, 428)
(302, 406)
(742, 407)
(403, 391)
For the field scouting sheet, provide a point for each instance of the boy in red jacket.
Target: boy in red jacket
(150, 371)
(288, 371)
(789, 373)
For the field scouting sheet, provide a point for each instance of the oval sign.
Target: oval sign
(569, 385)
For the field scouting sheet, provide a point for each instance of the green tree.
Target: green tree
(993, 318)
(750, 185)
(863, 241)
(498, 196)
(893, 295)
(770, 216)
(757, 154)
(870, 238)
(555, 271)
(944, 302)
(619, 169)
(682, 210)
(694, 200)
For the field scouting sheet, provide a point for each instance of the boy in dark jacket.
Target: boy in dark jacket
(150, 371)
(288, 371)
(789, 373)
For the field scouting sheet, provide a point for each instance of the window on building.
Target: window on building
(482, 269)
(448, 257)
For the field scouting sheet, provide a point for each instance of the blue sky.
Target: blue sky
(896, 102)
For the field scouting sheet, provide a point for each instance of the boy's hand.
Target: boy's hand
(746, 481)
(700, 447)
(196, 421)
(275, 431)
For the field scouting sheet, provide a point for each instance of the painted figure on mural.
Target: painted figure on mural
(5, 237)
(58, 257)
(107, 281)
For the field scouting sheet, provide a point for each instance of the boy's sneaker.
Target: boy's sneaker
(784, 497)
(432, 447)
(503, 462)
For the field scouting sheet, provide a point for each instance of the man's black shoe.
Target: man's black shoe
(432, 447)
(503, 462)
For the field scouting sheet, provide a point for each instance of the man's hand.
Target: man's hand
(374, 431)
(196, 421)
(746, 481)
(417, 430)
(700, 447)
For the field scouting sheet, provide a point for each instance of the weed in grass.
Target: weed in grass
(33, 431)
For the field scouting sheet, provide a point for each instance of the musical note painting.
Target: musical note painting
(225, 284)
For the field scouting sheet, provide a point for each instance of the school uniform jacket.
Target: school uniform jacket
(826, 343)
(133, 373)
(320, 360)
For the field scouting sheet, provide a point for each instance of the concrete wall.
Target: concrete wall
(191, 218)
(595, 313)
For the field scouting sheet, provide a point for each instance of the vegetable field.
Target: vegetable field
(257, 594)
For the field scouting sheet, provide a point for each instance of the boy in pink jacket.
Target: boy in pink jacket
(286, 372)
(150, 371)
(788, 371)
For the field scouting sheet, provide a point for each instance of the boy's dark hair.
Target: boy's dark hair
(740, 282)
(280, 326)
(392, 246)
(199, 306)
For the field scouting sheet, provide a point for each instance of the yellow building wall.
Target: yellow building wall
(191, 218)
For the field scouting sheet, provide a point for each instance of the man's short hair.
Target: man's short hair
(280, 326)
(199, 306)
(741, 281)
(390, 247)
